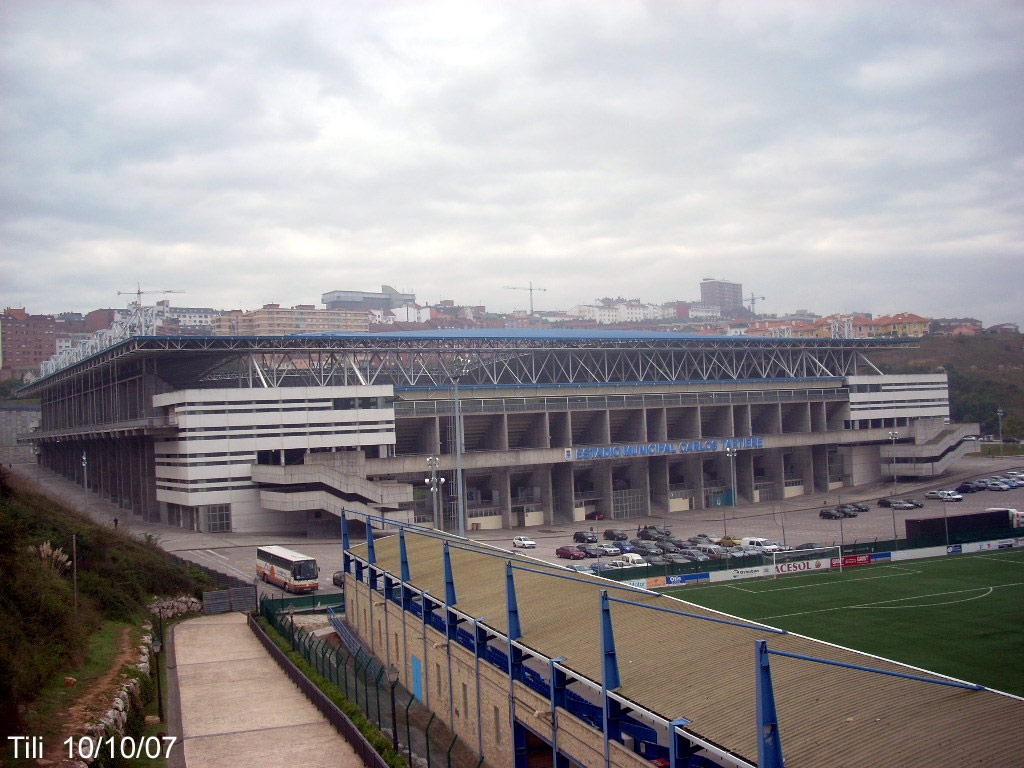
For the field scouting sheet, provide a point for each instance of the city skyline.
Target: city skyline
(831, 157)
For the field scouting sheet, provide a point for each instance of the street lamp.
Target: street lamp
(999, 415)
(945, 524)
(731, 453)
(392, 671)
(893, 435)
(895, 536)
(434, 483)
(461, 369)
(85, 477)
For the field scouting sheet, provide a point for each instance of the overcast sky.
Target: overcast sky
(833, 156)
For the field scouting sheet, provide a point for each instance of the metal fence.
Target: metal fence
(363, 679)
(224, 600)
(855, 547)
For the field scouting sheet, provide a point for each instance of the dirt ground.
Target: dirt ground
(91, 702)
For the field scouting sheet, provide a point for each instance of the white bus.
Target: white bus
(292, 571)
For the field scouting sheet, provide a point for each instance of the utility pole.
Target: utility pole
(529, 288)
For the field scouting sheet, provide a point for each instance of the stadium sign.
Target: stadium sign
(671, 448)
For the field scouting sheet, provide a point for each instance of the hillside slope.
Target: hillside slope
(985, 373)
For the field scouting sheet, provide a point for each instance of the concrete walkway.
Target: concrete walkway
(238, 708)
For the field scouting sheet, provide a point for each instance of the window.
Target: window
(218, 518)
(465, 701)
(497, 727)
(437, 677)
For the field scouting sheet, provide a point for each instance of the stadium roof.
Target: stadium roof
(683, 667)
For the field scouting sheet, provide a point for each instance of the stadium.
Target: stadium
(278, 434)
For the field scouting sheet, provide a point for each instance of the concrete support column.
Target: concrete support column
(694, 471)
(819, 468)
(541, 478)
(559, 429)
(496, 437)
(803, 462)
(657, 429)
(562, 490)
(428, 440)
(744, 476)
(741, 421)
(657, 481)
(775, 472)
(502, 485)
(602, 474)
(636, 472)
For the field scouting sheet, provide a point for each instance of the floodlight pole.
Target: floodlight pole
(999, 415)
(893, 435)
(731, 453)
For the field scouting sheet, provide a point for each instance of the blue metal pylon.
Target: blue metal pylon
(345, 544)
(404, 554)
(371, 552)
(769, 748)
(610, 662)
(515, 630)
(449, 577)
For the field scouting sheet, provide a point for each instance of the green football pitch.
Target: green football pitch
(961, 615)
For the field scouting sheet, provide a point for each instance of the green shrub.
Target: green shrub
(378, 740)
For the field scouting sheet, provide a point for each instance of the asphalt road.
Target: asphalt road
(792, 523)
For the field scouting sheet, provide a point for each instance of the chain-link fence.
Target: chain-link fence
(423, 738)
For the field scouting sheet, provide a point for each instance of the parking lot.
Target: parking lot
(793, 522)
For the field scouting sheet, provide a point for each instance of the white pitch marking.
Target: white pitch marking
(897, 600)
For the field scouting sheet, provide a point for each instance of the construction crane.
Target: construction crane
(530, 288)
(752, 300)
(139, 291)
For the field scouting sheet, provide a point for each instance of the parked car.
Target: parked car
(808, 545)
(569, 553)
(830, 513)
(594, 516)
(710, 538)
(338, 578)
(859, 507)
(647, 549)
(660, 530)
(610, 549)
(744, 550)
(997, 486)
(883, 502)
(966, 487)
(761, 544)
(675, 541)
(950, 496)
(914, 503)
(597, 568)
(695, 555)
(677, 557)
(656, 560)
(583, 569)
(590, 550)
(847, 510)
(935, 494)
(714, 551)
(900, 504)
(587, 537)
(625, 546)
(667, 545)
(615, 534)
(524, 541)
(649, 534)
(730, 541)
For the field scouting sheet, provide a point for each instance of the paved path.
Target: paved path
(239, 709)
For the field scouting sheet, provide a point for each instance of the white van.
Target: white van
(763, 545)
(632, 558)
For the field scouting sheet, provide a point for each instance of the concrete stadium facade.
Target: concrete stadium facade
(278, 434)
